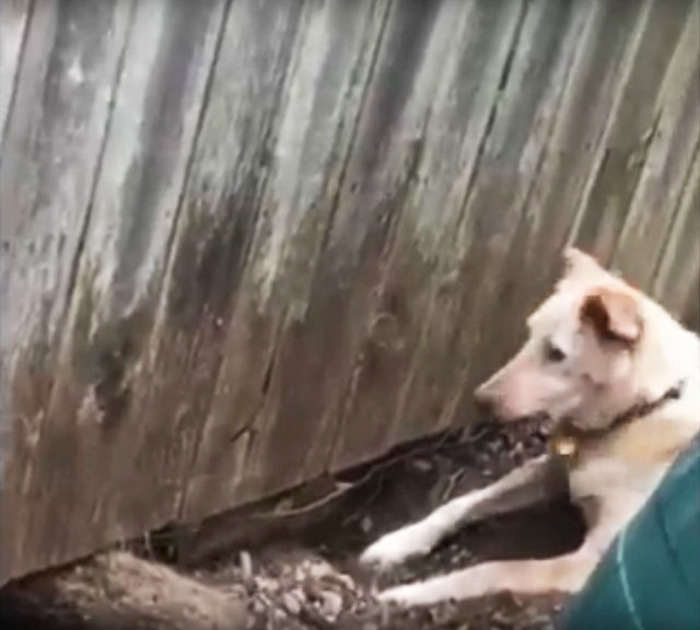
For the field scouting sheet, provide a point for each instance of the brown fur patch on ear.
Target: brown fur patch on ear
(613, 313)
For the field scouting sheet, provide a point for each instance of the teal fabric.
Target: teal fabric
(650, 577)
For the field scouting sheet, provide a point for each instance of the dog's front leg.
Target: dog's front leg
(532, 483)
(526, 577)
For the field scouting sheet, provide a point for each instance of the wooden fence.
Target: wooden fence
(245, 242)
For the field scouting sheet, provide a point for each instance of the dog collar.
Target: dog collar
(566, 439)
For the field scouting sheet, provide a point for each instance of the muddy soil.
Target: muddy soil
(311, 580)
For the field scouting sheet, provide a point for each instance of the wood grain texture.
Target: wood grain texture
(670, 151)
(248, 243)
(282, 340)
(14, 16)
(53, 142)
(632, 126)
(445, 149)
(677, 280)
(72, 369)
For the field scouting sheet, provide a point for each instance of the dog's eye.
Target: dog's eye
(552, 353)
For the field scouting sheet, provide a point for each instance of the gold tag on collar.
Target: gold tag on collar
(563, 445)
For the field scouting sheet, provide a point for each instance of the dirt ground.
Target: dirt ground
(310, 579)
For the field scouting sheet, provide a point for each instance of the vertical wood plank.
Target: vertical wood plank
(14, 15)
(53, 144)
(223, 214)
(351, 260)
(114, 329)
(53, 141)
(632, 126)
(88, 392)
(269, 371)
(457, 111)
(156, 114)
(677, 280)
(669, 156)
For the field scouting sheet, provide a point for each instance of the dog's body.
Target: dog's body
(622, 379)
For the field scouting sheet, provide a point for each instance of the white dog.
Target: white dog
(621, 379)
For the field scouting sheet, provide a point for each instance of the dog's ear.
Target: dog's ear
(578, 262)
(614, 314)
(580, 268)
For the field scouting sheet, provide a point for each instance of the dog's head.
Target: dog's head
(596, 347)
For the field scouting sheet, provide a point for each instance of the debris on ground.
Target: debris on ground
(316, 583)
(305, 575)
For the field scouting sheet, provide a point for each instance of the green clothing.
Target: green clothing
(649, 579)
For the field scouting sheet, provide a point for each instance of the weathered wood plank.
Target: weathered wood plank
(156, 113)
(595, 85)
(267, 380)
(669, 156)
(632, 125)
(444, 125)
(376, 339)
(222, 215)
(350, 263)
(14, 15)
(677, 280)
(156, 118)
(88, 389)
(53, 142)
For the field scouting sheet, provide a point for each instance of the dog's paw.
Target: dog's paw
(394, 548)
(433, 591)
(406, 596)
